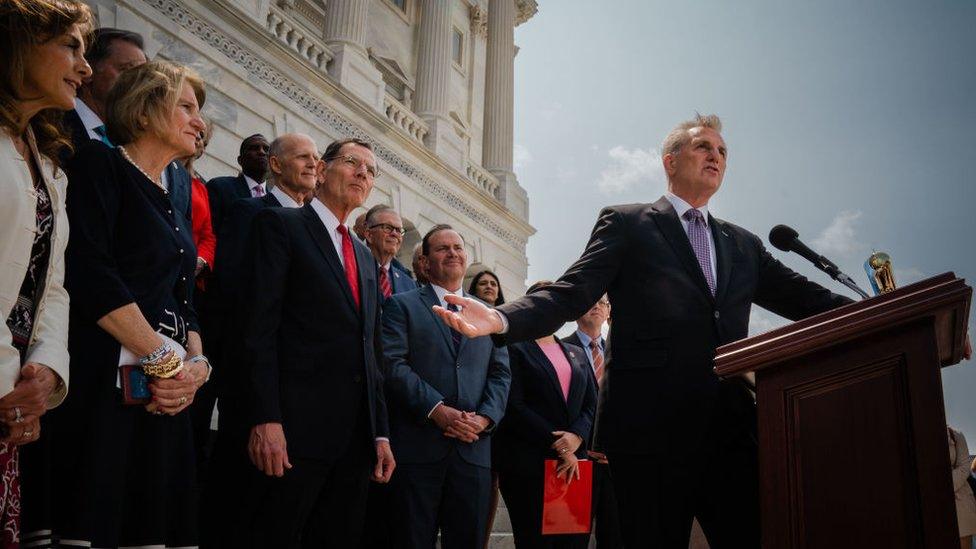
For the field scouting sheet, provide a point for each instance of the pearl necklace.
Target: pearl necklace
(125, 154)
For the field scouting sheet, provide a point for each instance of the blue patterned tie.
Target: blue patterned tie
(455, 335)
(698, 235)
(103, 135)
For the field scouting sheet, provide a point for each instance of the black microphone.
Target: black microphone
(787, 239)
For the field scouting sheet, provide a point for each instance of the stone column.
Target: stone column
(500, 93)
(345, 34)
(432, 98)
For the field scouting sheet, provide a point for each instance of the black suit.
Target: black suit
(223, 192)
(536, 408)
(223, 488)
(311, 357)
(606, 519)
(680, 442)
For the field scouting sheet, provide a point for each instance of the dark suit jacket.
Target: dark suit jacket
(573, 339)
(224, 192)
(536, 408)
(660, 394)
(422, 368)
(400, 279)
(232, 245)
(311, 355)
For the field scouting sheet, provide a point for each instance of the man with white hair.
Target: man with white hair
(681, 443)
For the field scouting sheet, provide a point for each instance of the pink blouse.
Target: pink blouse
(554, 352)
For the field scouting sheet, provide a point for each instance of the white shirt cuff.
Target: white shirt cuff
(384, 439)
(434, 408)
(504, 320)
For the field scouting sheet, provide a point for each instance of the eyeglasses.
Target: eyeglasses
(389, 229)
(604, 302)
(356, 162)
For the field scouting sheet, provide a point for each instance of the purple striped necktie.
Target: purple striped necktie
(698, 235)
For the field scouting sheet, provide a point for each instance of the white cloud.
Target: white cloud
(630, 167)
(838, 238)
(521, 156)
(904, 277)
(761, 321)
(549, 112)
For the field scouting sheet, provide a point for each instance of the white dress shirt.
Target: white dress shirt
(89, 119)
(331, 223)
(282, 196)
(252, 184)
(680, 207)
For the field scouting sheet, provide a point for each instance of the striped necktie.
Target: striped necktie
(455, 335)
(597, 355)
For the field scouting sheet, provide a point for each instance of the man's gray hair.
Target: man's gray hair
(376, 210)
(680, 135)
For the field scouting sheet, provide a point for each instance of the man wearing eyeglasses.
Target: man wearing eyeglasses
(384, 236)
(310, 356)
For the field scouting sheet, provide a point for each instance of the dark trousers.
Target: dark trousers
(658, 497)
(227, 502)
(522, 491)
(605, 516)
(378, 532)
(450, 495)
(316, 504)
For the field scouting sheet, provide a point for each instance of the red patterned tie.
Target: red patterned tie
(597, 355)
(385, 282)
(349, 261)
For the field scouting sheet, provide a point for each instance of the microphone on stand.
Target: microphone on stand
(787, 239)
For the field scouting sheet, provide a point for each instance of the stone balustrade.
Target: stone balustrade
(291, 34)
(403, 118)
(483, 179)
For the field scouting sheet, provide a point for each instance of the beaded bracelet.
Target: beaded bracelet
(156, 355)
(165, 369)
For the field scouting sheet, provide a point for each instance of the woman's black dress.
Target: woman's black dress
(120, 476)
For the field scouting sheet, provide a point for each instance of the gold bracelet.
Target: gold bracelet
(168, 368)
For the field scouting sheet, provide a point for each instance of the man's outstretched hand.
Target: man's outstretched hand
(473, 320)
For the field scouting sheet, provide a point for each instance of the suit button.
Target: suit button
(357, 378)
(716, 314)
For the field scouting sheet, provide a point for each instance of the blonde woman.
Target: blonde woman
(44, 44)
(124, 473)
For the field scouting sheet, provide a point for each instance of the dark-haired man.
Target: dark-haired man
(446, 394)
(224, 191)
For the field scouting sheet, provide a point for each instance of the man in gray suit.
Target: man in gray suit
(446, 393)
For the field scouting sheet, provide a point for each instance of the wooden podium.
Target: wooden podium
(853, 449)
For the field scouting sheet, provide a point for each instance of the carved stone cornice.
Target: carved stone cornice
(262, 70)
(524, 10)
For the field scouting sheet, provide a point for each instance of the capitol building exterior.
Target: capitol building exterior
(428, 82)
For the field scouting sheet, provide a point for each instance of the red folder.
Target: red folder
(566, 508)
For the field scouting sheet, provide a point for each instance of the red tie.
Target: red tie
(597, 355)
(385, 282)
(349, 260)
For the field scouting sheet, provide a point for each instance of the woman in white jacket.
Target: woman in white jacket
(43, 64)
(965, 501)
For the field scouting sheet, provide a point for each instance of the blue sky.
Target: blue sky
(851, 121)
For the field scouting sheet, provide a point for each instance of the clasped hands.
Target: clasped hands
(173, 395)
(464, 426)
(565, 445)
(22, 408)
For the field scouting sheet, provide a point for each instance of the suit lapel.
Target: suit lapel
(243, 190)
(724, 255)
(670, 226)
(429, 297)
(464, 339)
(323, 240)
(542, 361)
(576, 381)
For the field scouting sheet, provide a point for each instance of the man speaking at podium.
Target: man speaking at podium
(680, 441)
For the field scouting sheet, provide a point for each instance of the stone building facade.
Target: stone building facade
(428, 82)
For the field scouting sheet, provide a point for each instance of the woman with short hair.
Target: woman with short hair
(44, 45)
(125, 470)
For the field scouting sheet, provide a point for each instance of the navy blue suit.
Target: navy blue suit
(400, 279)
(223, 193)
(440, 482)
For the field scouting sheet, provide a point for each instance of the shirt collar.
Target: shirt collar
(680, 206)
(586, 339)
(441, 292)
(282, 196)
(87, 116)
(328, 218)
(251, 183)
